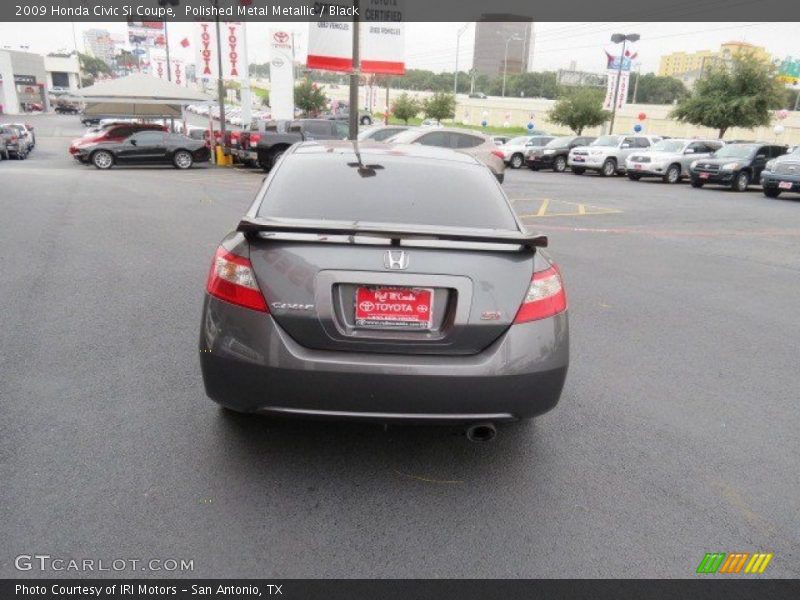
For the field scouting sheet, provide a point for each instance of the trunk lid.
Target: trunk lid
(473, 291)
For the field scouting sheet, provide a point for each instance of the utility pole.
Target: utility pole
(220, 82)
(509, 39)
(354, 77)
(458, 40)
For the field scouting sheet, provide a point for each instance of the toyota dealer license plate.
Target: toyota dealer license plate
(703, 175)
(394, 307)
(785, 185)
(637, 166)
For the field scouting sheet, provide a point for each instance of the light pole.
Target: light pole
(617, 38)
(509, 39)
(458, 40)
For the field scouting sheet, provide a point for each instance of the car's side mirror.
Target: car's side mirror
(625, 145)
(689, 151)
(761, 156)
(132, 142)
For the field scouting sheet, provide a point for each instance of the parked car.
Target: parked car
(431, 123)
(499, 140)
(782, 174)
(669, 159)
(9, 142)
(381, 133)
(469, 142)
(478, 95)
(272, 143)
(16, 142)
(734, 165)
(515, 149)
(66, 108)
(607, 154)
(340, 111)
(554, 154)
(459, 326)
(115, 132)
(27, 133)
(146, 147)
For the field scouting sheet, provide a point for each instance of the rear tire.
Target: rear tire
(366, 120)
(609, 168)
(182, 159)
(741, 182)
(772, 192)
(696, 183)
(578, 170)
(102, 159)
(673, 174)
(516, 161)
(275, 156)
(560, 164)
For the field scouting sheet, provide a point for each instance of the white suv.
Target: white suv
(607, 153)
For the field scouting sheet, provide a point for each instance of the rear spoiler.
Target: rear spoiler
(531, 241)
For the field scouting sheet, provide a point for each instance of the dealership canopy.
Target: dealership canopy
(137, 95)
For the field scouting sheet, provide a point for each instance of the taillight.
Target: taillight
(231, 278)
(499, 154)
(545, 297)
(254, 137)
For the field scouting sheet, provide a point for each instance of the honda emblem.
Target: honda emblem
(395, 260)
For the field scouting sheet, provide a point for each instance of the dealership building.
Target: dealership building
(29, 78)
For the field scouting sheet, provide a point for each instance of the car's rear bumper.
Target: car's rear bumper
(250, 364)
(540, 162)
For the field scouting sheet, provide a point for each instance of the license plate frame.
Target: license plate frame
(703, 175)
(785, 185)
(389, 307)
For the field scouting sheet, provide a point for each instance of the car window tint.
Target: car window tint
(318, 128)
(148, 137)
(341, 130)
(777, 151)
(384, 134)
(410, 190)
(436, 138)
(641, 143)
(466, 141)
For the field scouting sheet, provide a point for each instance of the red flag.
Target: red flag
(185, 42)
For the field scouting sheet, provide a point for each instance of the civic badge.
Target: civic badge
(395, 260)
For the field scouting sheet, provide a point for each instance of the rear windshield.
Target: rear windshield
(413, 191)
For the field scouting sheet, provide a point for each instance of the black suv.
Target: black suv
(734, 165)
(554, 154)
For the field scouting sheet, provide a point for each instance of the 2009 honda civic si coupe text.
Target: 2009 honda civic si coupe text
(384, 283)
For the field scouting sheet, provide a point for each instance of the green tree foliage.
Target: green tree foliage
(527, 85)
(581, 108)
(440, 106)
(405, 107)
(652, 89)
(91, 67)
(741, 94)
(309, 97)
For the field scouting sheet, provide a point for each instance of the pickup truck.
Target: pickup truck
(266, 141)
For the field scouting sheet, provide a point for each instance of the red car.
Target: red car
(112, 133)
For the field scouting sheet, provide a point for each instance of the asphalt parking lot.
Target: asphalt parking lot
(676, 435)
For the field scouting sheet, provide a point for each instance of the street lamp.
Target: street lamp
(458, 39)
(509, 39)
(617, 38)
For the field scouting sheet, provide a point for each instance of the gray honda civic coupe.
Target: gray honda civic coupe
(387, 283)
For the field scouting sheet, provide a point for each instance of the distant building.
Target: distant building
(491, 35)
(23, 80)
(689, 66)
(63, 72)
(99, 43)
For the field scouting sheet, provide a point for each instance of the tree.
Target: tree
(405, 107)
(92, 67)
(583, 107)
(309, 97)
(739, 94)
(654, 89)
(440, 106)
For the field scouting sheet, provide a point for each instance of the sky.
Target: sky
(433, 45)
